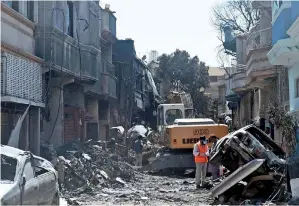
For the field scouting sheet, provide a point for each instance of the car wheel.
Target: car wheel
(56, 200)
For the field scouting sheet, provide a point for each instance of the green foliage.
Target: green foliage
(287, 124)
(179, 67)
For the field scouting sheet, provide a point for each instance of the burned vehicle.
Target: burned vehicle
(255, 163)
(27, 179)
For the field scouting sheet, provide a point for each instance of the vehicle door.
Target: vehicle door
(47, 182)
(30, 193)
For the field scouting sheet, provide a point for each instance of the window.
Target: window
(69, 20)
(213, 78)
(13, 4)
(28, 171)
(30, 10)
(172, 115)
(139, 83)
(297, 88)
(8, 168)
(8, 3)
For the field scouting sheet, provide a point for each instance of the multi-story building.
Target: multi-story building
(285, 52)
(257, 83)
(21, 73)
(106, 86)
(215, 77)
(75, 40)
(136, 89)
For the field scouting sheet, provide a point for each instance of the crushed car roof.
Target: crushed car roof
(11, 151)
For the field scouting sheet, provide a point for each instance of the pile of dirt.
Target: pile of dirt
(91, 165)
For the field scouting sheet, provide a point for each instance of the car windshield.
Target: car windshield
(8, 168)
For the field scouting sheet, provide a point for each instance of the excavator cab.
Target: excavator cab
(167, 114)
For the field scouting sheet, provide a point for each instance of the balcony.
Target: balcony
(108, 26)
(108, 68)
(258, 66)
(105, 87)
(258, 40)
(108, 85)
(238, 79)
(21, 80)
(65, 56)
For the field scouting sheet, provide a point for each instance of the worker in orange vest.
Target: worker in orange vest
(201, 153)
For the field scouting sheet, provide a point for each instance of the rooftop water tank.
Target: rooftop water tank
(228, 34)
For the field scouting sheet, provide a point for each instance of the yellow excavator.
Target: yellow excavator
(178, 135)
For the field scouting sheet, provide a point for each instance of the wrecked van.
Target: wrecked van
(256, 164)
(27, 179)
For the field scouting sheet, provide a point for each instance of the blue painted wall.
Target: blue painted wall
(284, 21)
(293, 76)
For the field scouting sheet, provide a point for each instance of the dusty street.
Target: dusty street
(146, 190)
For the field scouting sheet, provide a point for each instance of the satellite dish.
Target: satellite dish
(144, 57)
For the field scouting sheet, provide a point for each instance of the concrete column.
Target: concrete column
(56, 112)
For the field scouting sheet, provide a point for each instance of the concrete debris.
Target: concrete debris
(257, 170)
(104, 174)
(86, 156)
(89, 166)
(118, 179)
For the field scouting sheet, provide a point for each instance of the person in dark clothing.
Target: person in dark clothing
(214, 167)
(138, 148)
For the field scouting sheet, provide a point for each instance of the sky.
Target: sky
(166, 25)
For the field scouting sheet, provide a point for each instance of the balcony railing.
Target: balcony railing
(259, 39)
(65, 55)
(105, 86)
(239, 79)
(108, 85)
(108, 68)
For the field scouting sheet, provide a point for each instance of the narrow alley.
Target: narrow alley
(149, 102)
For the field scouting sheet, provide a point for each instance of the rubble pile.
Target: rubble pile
(91, 165)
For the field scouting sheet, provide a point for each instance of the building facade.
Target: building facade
(75, 40)
(285, 54)
(136, 90)
(216, 75)
(21, 73)
(285, 51)
(256, 83)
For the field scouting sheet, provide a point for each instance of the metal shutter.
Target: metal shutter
(3, 74)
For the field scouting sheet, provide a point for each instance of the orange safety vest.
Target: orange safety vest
(201, 149)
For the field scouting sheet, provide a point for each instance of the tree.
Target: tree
(239, 15)
(288, 125)
(180, 68)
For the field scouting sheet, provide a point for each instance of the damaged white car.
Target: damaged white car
(255, 162)
(27, 179)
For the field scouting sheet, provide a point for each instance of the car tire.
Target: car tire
(56, 200)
